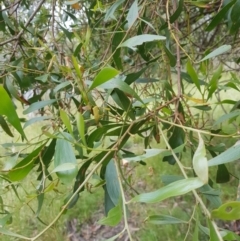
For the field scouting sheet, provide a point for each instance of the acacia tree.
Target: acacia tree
(103, 71)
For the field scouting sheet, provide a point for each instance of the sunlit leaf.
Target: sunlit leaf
(64, 153)
(132, 14)
(230, 155)
(140, 39)
(222, 49)
(110, 12)
(22, 169)
(200, 164)
(38, 105)
(103, 76)
(174, 189)
(227, 116)
(113, 218)
(227, 211)
(81, 127)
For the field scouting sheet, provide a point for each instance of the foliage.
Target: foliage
(101, 72)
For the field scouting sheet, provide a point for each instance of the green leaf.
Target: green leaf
(202, 107)
(219, 16)
(223, 175)
(64, 167)
(123, 102)
(112, 183)
(222, 49)
(5, 126)
(7, 108)
(213, 235)
(38, 105)
(110, 12)
(177, 13)
(200, 163)
(121, 85)
(64, 153)
(43, 78)
(132, 14)
(164, 219)
(61, 86)
(65, 119)
(81, 127)
(227, 116)
(113, 218)
(235, 11)
(140, 39)
(149, 153)
(191, 71)
(213, 84)
(230, 155)
(103, 76)
(171, 57)
(212, 195)
(227, 211)
(176, 140)
(22, 169)
(36, 119)
(174, 189)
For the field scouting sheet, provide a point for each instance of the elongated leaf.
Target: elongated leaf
(64, 153)
(123, 101)
(227, 116)
(235, 11)
(22, 169)
(81, 127)
(177, 13)
(121, 85)
(103, 76)
(112, 183)
(222, 49)
(230, 155)
(164, 219)
(5, 126)
(61, 86)
(64, 167)
(113, 218)
(110, 12)
(213, 85)
(66, 121)
(140, 39)
(132, 14)
(7, 108)
(200, 164)
(36, 119)
(213, 234)
(191, 71)
(38, 105)
(148, 154)
(174, 189)
(219, 16)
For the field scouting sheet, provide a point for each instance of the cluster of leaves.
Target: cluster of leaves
(102, 72)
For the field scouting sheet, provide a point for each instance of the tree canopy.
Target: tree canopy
(102, 72)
